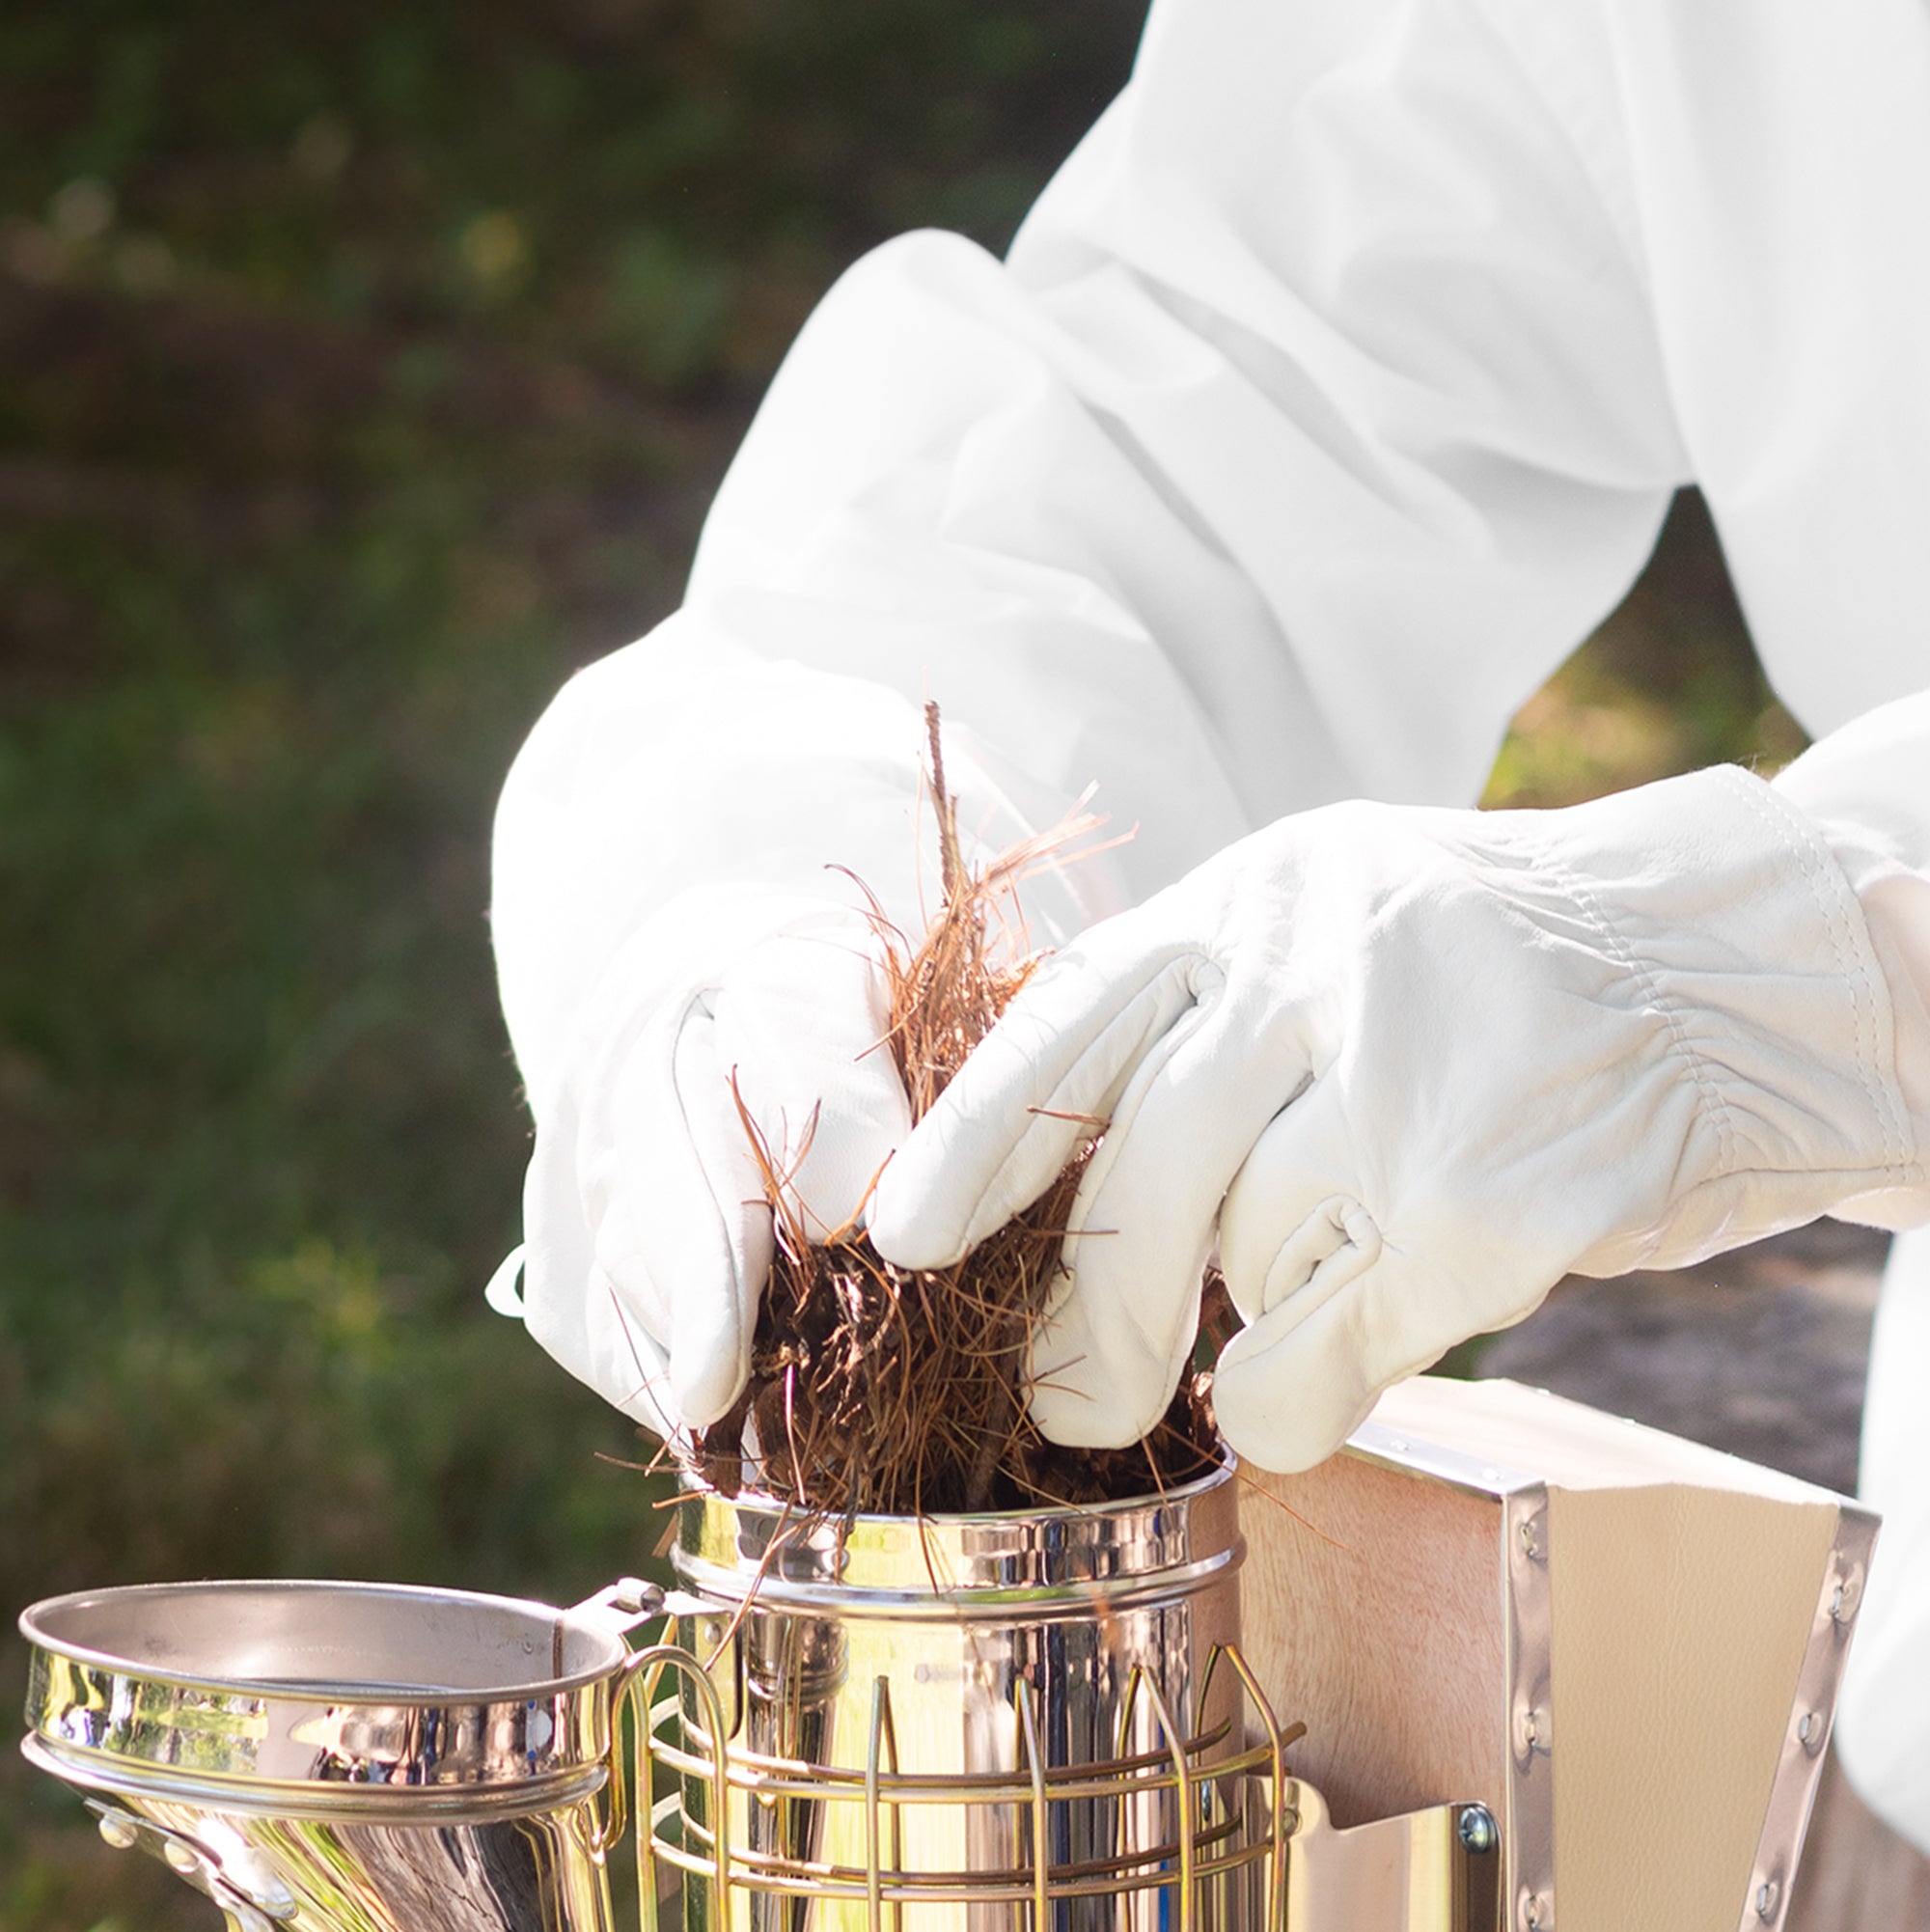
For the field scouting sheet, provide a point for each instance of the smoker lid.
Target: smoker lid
(351, 1690)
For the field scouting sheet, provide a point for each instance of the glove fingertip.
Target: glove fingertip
(1075, 1416)
(906, 1227)
(931, 1207)
(1284, 1400)
(713, 1290)
(1086, 1393)
(705, 1390)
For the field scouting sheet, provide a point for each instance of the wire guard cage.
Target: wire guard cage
(874, 1725)
(1185, 1837)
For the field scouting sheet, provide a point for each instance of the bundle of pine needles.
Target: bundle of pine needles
(904, 1391)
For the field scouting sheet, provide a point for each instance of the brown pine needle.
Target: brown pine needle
(878, 1389)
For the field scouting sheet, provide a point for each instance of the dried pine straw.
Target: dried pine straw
(904, 1391)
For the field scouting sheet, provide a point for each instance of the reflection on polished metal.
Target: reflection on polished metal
(954, 1718)
(1037, 1721)
(1801, 1764)
(345, 1758)
(1438, 1870)
(994, 1724)
(953, 1722)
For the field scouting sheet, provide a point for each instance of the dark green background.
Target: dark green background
(363, 370)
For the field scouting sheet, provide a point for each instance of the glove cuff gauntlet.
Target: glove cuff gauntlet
(1741, 936)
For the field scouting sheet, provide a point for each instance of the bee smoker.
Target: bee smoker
(1508, 1625)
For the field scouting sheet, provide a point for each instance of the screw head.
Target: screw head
(1535, 1729)
(1477, 1829)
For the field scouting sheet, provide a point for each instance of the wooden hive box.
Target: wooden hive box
(1626, 1645)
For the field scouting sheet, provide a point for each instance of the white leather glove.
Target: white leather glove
(1411, 1067)
(648, 1236)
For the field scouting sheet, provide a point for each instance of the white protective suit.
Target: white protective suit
(1332, 392)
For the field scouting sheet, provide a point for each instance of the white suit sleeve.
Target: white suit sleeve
(1315, 415)
(1867, 787)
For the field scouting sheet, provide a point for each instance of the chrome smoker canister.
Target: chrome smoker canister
(1031, 1719)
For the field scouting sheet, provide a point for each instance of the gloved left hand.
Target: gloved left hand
(1411, 1067)
(734, 1011)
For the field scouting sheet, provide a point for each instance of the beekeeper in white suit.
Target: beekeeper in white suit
(1332, 392)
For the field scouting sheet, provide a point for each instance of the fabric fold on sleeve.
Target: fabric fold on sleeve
(1866, 789)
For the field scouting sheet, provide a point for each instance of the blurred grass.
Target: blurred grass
(362, 372)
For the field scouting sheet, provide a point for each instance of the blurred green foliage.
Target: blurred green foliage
(1669, 683)
(363, 370)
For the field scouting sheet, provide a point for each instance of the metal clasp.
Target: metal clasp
(623, 1605)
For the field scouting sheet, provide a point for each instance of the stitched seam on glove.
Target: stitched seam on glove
(1852, 961)
(1583, 894)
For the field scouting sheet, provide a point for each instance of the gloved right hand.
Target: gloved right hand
(1408, 1067)
(648, 1236)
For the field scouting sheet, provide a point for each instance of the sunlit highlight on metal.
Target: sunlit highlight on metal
(1061, 1735)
